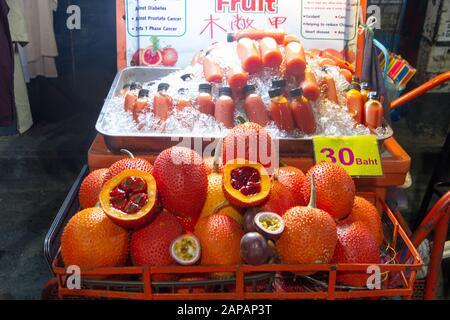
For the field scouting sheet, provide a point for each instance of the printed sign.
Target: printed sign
(170, 32)
(359, 156)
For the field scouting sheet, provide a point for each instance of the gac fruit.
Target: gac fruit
(335, 189)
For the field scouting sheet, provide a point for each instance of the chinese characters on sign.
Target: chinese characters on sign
(187, 25)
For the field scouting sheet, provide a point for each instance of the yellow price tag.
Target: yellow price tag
(358, 155)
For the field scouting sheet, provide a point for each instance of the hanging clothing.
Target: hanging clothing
(41, 50)
(7, 104)
(19, 36)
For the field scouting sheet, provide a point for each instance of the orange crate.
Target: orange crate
(275, 281)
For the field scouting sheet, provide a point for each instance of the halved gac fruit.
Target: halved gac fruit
(130, 198)
(245, 184)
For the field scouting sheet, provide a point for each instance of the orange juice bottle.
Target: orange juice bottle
(355, 102)
(373, 111)
(365, 89)
(225, 107)
(302, 112)
(162, 102)
(182, 100)
(142, 104)
(254, 106)
(204, 100)
(279, 110)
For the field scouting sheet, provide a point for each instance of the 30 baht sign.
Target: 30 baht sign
(359, 156)
(177, 29)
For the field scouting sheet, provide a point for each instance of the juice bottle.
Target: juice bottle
(162, 102)
(255, 34)
(212, 70)
(249, 55)
(302, 112)
(142, 104)
(182, 100)
(295, 59)
(254, 107)
(355, 102)
(224, 111)
(125, 89)
(310, 87)
(204, 100)
(130, 98)
(270, 53)
(374, 112)
(331, 88)
(279, 110)
(237, 79)
(365, 90)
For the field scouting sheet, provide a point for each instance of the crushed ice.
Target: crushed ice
(332, 119)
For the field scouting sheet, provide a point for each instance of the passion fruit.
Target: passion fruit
(245, 184)
(249, 219)
(186, 250)
(269, 224)
(130, 199)
(254, 249)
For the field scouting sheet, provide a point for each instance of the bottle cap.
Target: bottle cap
(364, 85)
(326, 69)
(373, 95)
(250, 88)
(225, 91)
(163, 86)
(126, 86)
(143, 93)
(355, 86)
(355, 79)
(187, 77)
(279, 83)
(275, 93)
(230, 37)
(135, 86)
(204, 87)
(183, 91)
(295, 93)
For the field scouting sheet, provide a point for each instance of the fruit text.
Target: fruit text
(233, 6)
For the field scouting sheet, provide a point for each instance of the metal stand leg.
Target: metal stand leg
(443, 160)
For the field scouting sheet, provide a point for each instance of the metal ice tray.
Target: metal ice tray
(156, 141)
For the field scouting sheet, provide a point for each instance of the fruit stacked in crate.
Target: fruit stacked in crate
(233, 208)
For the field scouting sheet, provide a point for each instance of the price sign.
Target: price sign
(359, 156)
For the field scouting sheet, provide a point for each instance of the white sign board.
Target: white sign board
(169, 30)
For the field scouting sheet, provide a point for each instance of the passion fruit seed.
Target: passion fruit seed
(270, 223)
(185, 249)
(247, 180)
(130, 195)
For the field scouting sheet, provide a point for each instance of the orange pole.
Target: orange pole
(424, 88)
(361, 38)
(440, 235)
(121, 35)
(431, 220)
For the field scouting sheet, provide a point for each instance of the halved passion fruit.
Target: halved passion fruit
(245, 184)
(269, 224)
(186, 250)
(130, 198)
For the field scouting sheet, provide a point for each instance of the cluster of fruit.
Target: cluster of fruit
(223, 210)
(154, 55)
